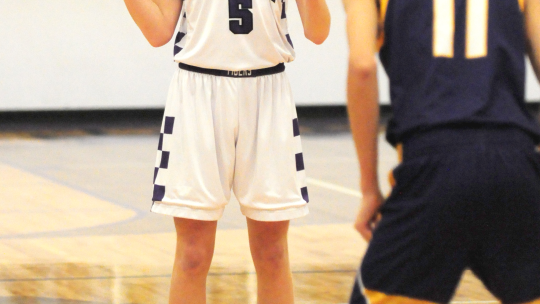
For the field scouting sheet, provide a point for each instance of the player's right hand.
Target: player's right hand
(369, 215)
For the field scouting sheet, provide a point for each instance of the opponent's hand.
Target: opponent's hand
(369, 215)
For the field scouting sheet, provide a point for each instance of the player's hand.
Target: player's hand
(369, 215)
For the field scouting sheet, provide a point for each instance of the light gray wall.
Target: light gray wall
(67, 54)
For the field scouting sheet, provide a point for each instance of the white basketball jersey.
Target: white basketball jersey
(233, 34)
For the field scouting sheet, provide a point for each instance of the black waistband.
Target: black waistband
(236, 74)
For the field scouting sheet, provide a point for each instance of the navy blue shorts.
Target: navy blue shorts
(464, 198)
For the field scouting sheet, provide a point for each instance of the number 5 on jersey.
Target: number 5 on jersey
(476, 39)
(240, 17)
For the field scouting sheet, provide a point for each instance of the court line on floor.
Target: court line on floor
(215, 274)
(139, 213)
(333, 187)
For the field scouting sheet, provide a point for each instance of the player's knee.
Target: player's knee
(363, 68)
(195, 260)
(270, 256)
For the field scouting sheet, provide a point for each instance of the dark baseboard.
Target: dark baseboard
(79, 119)
(308, 112)
(319, 119)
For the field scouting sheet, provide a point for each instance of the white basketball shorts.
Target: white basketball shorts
(238, 132)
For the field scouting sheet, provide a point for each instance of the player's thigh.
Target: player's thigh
(272, 231)
(507, 254)
(417, 251)
(269, 178)
(196, 153)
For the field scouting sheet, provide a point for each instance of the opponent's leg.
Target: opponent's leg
(381, 298)
(506, 256)
(268, 244)
(420, 247)
(194, 251)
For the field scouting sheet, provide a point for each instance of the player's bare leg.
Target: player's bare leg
(268, 244)
(194, 250)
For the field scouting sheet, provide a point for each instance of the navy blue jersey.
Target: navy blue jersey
(455, 63)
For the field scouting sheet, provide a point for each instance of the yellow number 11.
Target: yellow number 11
(476, 36)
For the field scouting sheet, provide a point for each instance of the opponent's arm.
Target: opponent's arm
(363, 105)
(315, 18)
(532, 24)
(156, 18)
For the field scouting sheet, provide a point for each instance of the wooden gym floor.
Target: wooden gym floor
(75, 225)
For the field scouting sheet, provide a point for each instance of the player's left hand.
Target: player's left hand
(369, 215)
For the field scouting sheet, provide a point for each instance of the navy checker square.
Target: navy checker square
(296, 127)
(159, 193)
(168, 125)
(299, 158)
(164, 164)
(305, 195)
(164, 156)
(179, 40)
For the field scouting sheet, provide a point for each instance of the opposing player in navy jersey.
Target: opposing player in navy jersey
(230, 123)
(467, 192)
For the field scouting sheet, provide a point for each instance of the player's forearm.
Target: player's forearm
(362, 88)
(156, 19)
(363, 108)
(315, 19)
(532, 23)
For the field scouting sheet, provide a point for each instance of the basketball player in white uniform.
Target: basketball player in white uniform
(230, 123)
